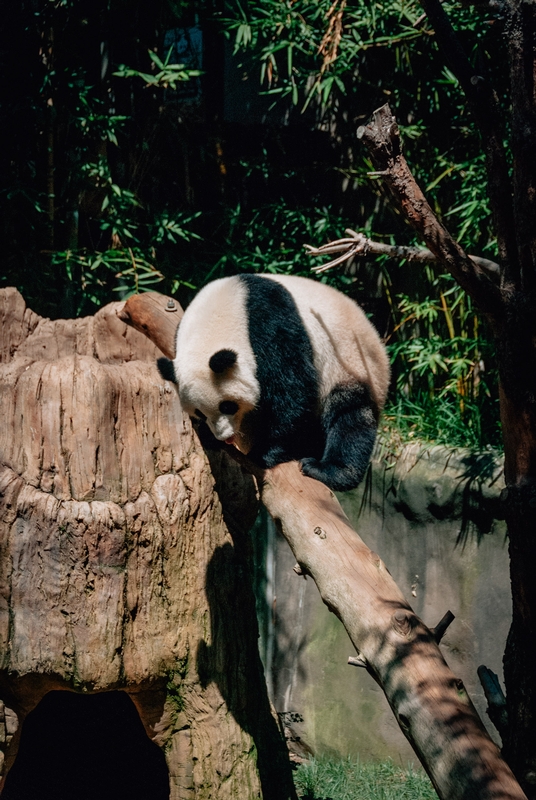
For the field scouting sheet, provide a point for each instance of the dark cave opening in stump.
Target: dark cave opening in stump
(83, 747)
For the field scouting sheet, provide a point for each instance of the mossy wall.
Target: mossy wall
(432, 515)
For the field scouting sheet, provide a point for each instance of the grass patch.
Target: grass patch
(349, 779)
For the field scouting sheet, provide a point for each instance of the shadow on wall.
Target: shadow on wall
(86, 747)
(434, 515)
(240, 678)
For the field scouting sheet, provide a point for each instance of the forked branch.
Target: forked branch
(358, 245)
(486, 110)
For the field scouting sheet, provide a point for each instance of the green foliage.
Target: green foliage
(299, 40)
(133, 241)
(346, 59)
(116, 185)
(89, 271)
(330, 779)
(168, 75)
(331, 62)
(73, 213)
(271, 239)
(443, 368)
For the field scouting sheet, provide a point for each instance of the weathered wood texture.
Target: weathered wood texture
(122, 556)
(431, 705)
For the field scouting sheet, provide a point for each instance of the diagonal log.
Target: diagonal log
(431, 705)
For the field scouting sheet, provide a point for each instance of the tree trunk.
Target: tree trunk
(123, 557)
(431, 705)
(517, 365)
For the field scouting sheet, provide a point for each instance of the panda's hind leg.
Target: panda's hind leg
(349, 420)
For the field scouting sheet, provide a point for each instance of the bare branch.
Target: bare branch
(382, 139)
(441, 628)
(485, 107)
(357, 661)
(357, 244)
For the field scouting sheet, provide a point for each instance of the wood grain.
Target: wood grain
(121, 566)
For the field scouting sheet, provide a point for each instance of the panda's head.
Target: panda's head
(220, 393)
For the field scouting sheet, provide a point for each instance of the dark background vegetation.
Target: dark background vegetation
(159, 144)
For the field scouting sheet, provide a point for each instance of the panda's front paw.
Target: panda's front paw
(310, 467)
(337, 478)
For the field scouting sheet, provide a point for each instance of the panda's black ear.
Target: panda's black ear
(166, 368)
(222, 360)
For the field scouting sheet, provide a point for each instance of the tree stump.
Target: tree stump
(123, 555)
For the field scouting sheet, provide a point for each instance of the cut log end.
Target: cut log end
(153, 315)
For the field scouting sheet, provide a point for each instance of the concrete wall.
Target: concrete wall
(432, 516)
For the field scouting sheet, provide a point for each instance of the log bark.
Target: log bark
(123, 554)
(431, 705)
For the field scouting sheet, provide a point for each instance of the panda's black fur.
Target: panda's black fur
(285, 416)
(287, 423)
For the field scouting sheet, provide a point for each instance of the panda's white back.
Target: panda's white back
(346, 345)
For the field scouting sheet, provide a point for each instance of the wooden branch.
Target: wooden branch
(382, 139)
(357, 661)
(357, 244)
(441, 628)
(496, 710)
(486, 110)
(431, 705)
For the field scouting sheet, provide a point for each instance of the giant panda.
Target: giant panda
(283, 368)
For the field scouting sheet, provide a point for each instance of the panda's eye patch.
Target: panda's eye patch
(228, 407)
(222, 360)
(199, 414)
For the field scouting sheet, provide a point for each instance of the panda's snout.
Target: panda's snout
(222, 428)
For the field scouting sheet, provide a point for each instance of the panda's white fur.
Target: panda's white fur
(266, 373)
(346, 345)
(216, 319)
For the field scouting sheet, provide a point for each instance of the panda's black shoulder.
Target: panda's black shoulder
(282, 349)
(273, 316)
